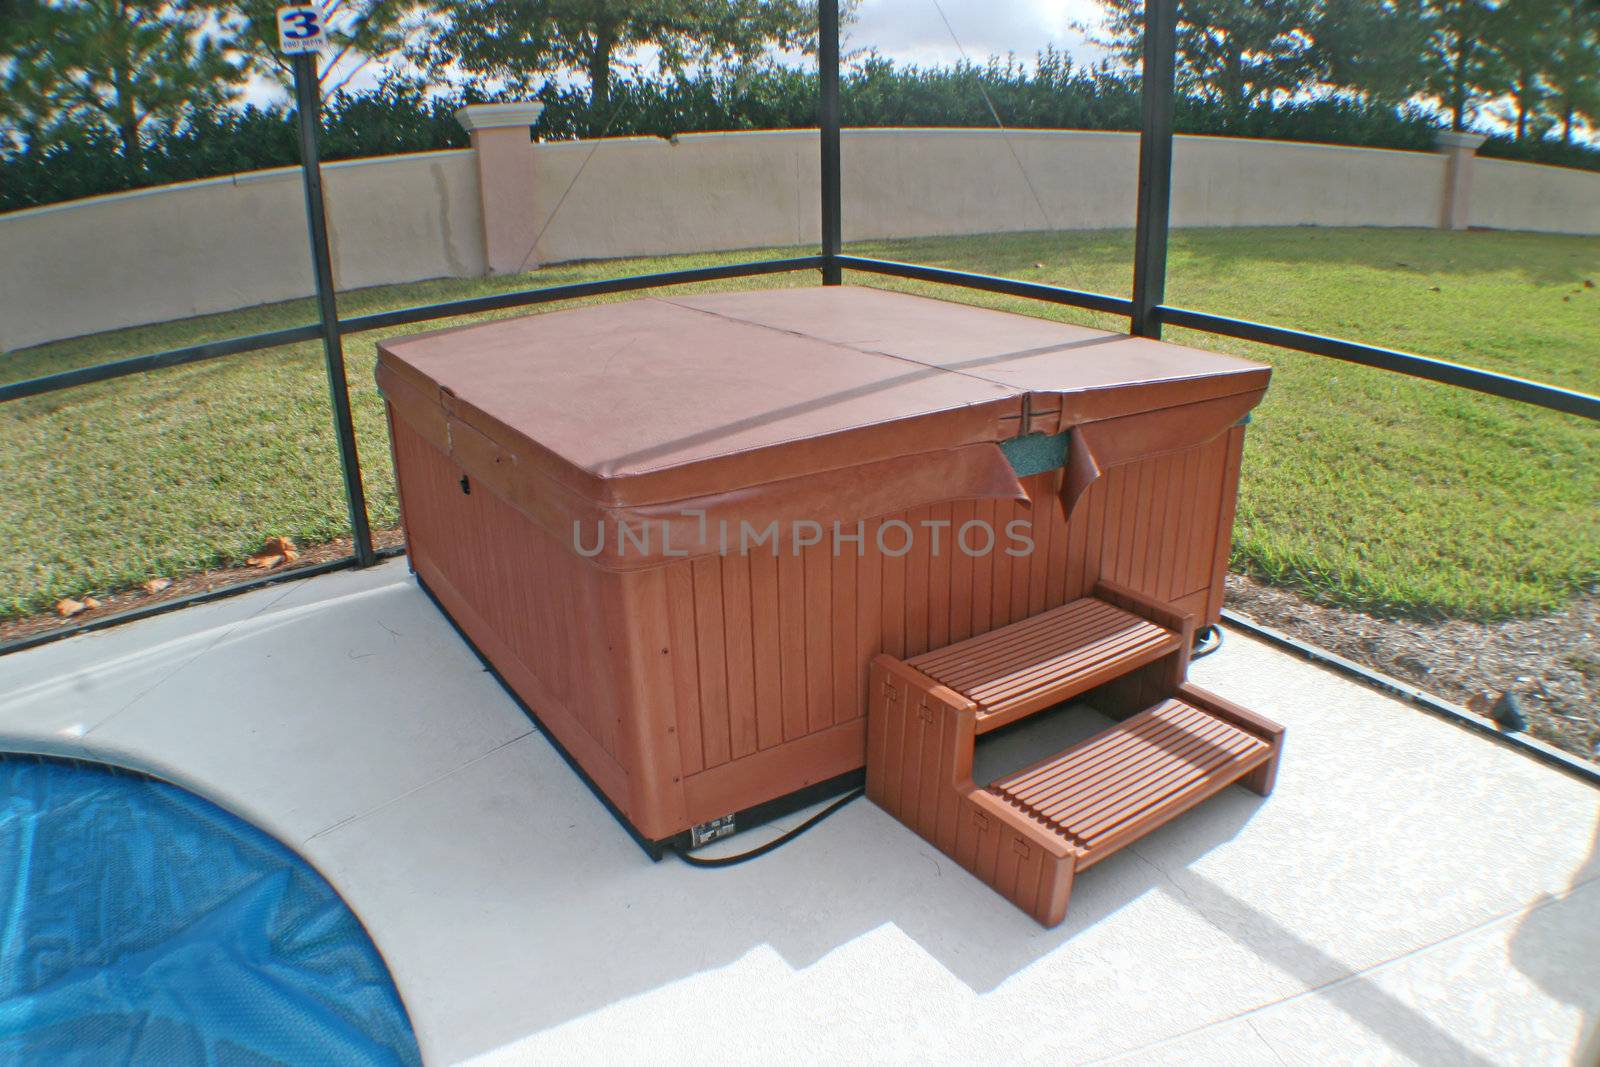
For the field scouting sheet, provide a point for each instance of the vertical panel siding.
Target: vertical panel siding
(542, 603)
(1163, 521)
(685, 667)
(845, 647)
(816, 620)
(892, 590)
(711, 647)
(791, 597)
(940, 578)
(960, 613)
(766, 651)
(818, 606)
(917, 564)
(766, 659)
(744, 729)
(1231, 448)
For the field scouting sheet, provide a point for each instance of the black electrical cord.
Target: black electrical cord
(1207, 641)
(783, 839)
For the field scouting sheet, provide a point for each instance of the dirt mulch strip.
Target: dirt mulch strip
(1552, 663)
(127, 599)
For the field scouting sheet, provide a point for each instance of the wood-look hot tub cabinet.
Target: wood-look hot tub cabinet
(692, 674)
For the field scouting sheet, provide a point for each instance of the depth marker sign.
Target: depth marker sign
(301, 29)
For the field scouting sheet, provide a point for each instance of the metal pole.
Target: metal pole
(308, 101)
(1155, 165)
(828, 121)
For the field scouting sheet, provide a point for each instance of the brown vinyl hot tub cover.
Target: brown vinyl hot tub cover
(834, 403)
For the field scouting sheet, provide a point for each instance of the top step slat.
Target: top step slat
(1068, 634)
(1043, 660)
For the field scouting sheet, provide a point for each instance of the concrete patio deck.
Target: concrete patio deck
(1411, 893)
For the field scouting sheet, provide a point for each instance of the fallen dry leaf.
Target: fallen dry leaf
(66, 607)
(1480, 703)
(156, 585)
(274, 552)
(1588, 283)
(90, 603)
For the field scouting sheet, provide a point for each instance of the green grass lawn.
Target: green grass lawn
(1362, 487)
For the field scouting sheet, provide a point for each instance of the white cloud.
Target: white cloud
(906, 31)
(911, 31)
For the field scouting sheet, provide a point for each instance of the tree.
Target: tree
(1373, 48)
(15, 19)
(1521, 37)
(362, 32)
(25, 107)
(519, 42)
(120, 65)
(1235, 53)
(1460, 67)
(1394, 50)
(1572, 68)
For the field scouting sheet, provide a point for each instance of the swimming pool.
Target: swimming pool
(140, 923)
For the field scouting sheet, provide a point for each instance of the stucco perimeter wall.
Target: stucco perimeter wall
(181, 250)
(176, 251)
(1225, 181)
(1526, 196)
(648, 196)
(645, 196)
(930, 182)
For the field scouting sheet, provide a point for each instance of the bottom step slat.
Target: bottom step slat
(1133, 776)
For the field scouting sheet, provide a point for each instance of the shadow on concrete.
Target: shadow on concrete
(626, 926)
(827, 890)
(1562, 954)
(1400, 1026)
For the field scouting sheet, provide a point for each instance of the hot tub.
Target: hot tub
(680, 528)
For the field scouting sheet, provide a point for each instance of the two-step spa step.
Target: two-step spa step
(1029, 833)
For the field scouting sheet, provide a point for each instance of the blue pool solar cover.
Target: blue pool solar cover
(141, 924)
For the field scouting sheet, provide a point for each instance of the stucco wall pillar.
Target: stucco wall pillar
(1459, 149)
(505, 181)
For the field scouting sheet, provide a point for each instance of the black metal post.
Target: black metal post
(1155, 165)
(308, 102)
(828, 123)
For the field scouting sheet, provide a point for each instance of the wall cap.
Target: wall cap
(1453, 139)
(498, 116)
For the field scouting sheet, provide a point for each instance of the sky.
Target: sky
(912, 32)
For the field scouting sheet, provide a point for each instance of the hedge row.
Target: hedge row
(402, 116)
